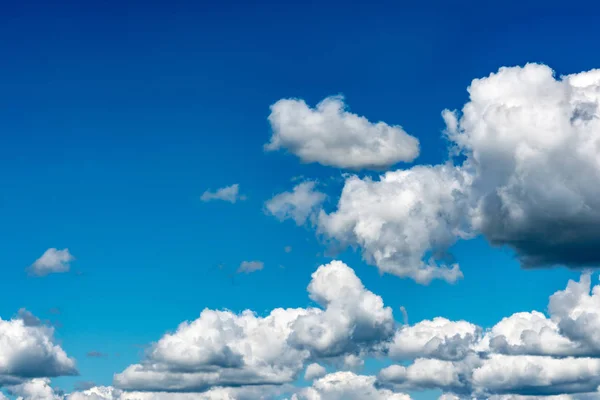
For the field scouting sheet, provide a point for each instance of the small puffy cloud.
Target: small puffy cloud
(299, 205)
(247, 267)
(95, 354)
(348, 386)
(448, 396)
(400, 218)
(28, 351)
(330, 135)
(288, 249)
(51, 262)
(314, 371)
(28, 318)
(229, 194)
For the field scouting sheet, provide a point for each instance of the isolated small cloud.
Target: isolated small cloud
(299, 205)
(330, 135)
(230, 194)
(28, 318)
(51, 262)
(288, 249)
(95, 354)
(247, 267)
(314, 371)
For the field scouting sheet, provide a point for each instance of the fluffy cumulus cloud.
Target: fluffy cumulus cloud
(27, 350)
(528, 178)
(347, 386)
(221, 348)
(51, 262)
(354, 318)
(439, 338)
(35, 389)
(401, 217)
(331, 135)
(300, 205)
(314, 371)
(532, 144)
(230, 194)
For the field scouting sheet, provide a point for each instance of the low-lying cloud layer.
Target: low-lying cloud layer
(223, 355)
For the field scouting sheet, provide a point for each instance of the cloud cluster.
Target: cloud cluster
(221, 348)
(330, 135)
(223, 355)
(524, 173)
(524, 354)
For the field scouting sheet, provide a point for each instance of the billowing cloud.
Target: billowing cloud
(229, 194)
(353, 318)
(330, 135)
(400, 218)
(35, 389)
(438, 338)
(347, 386)
(27, 350)
(221, 348)
(51, 262)
(299, 205)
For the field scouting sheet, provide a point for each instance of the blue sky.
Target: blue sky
(116, 118)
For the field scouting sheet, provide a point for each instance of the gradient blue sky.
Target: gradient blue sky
(116, 116)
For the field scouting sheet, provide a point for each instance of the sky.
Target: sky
(369, 187)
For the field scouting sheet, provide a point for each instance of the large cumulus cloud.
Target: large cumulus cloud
(28, 350)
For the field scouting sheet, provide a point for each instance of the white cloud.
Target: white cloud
(52, 261)
(300, 205)
(314, 371)
(35, 389)
(220, 349)
(348, 386)
(248, 267)
(225, 349)
(354, 317)
(529, 333)
(539, 375)
(330, 135)
(529, 179)
(426, 374)
(28, 351)
(530, 142)
(402, 217)
(229, 194)
(438, 338)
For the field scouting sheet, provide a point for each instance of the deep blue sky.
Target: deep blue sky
(116, 117)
